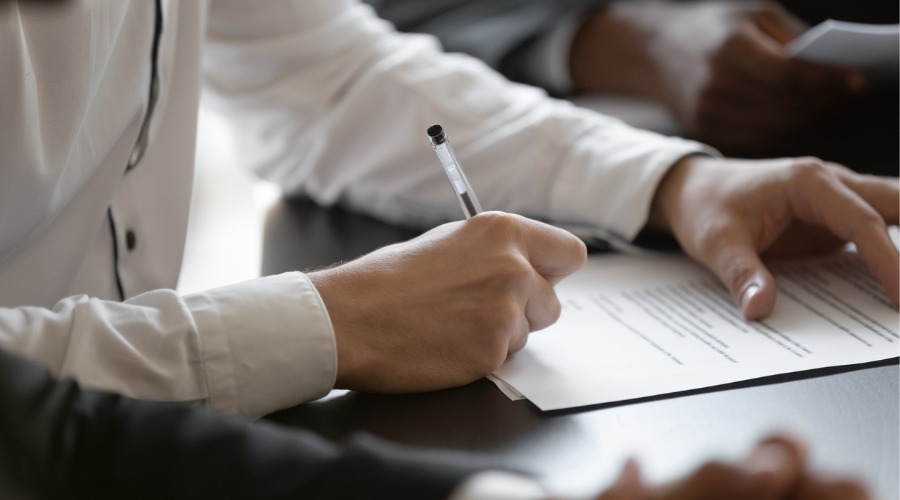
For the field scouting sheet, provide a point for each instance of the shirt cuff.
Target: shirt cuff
(267, 344)
(584, 194)
(544, 62)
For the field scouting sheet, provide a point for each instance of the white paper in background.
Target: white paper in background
(871, 47)
(634, 327)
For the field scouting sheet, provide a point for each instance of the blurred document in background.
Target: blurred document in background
(874, 48)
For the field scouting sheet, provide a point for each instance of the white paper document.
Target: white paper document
(634, 327)
(872, 47)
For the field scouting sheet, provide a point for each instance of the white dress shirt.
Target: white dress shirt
(328, 101)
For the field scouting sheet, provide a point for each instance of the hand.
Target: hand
(446, 308)
(726, 213)
(776, 469)
(720, 67)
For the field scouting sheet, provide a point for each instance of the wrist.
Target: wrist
(330, 284)
(670, 193)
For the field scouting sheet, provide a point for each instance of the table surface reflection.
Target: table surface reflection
(850, 414)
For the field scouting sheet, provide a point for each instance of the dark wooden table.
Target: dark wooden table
(851, 415)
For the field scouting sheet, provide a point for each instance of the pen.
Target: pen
(454, 171)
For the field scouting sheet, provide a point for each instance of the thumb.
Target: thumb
(756, 294)
(738, 266)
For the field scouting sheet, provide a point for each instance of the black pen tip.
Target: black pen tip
(437, 135)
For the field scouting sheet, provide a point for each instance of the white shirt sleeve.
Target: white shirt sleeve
(246, 349)
(329, 101)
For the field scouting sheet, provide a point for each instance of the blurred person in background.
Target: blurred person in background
(719, 67)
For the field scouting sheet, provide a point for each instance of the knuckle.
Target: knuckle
(809, 166)
(577, 251)
(497, 224)
(551, 310)
(499, 336)
(489, 361)
(497, 344)
(511, 273)
(491, 217)
(555, 309)
(811, 171)
(517, 344)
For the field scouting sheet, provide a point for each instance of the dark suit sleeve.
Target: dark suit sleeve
(491, 30)
(58, 441)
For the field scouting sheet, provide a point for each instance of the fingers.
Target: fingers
(764, 61)
(850, 207)
(731, 255)
(772, 471)
(553, 252)
(726, 213)
(469, 294)
(757, 56)
(540, 256)
(823, 199)
(775, 469)
(542, 307)
(779, 24)
(756, 94)
(776, 465)
(519, 330)
(882, 193)
(757, 52)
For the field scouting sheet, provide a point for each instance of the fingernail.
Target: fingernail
(748, 295)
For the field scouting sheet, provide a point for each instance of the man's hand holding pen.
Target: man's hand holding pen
(446, 308)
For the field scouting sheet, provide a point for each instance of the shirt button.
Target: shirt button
(130, 240)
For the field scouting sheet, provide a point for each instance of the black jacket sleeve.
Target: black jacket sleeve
(58, 441)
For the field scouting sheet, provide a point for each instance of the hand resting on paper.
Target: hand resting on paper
(776, 469)
(726, 214)
(446, 308)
